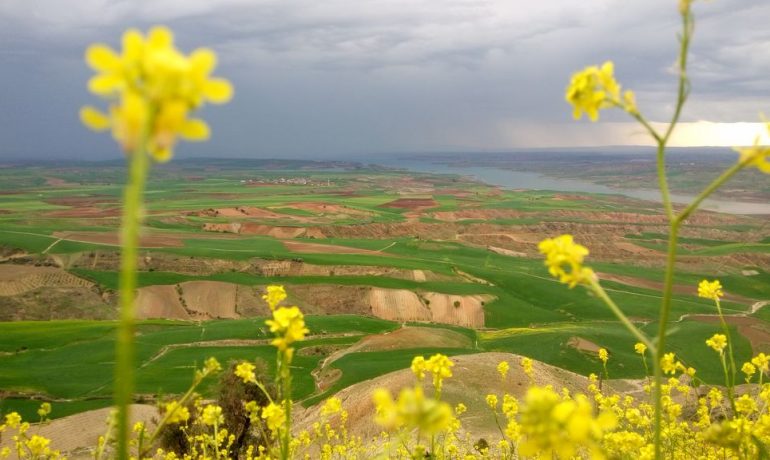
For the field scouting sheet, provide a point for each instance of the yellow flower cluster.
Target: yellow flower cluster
(412, 410)
(274, 416)
(563, 251)
(177, 413)
(717, 342)
(153, 88)
(710, 290)
(246, 372)
(438, 365)
(288, 325)
(757, 155)
(595, 88)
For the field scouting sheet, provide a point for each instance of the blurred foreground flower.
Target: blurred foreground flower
(153, 88)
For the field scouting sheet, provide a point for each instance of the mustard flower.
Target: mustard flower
(38, 446)
(492, 401)
(593, 89)
(153, 88)
(710, 289)
(748, 369)
(526, 365)
(275, 295)
(503, 367)
(412, 410)
(746, 405)
(12, 420)
(212, 415)
(668, 363)
(331, 406)
(757, 156)
(274, 416)
(441, 368)
(460, 409)
(556, 427)
(640, 348)
(563, 251)
(288, 325)
(246, 372)
(418, 367)
(177, 413)
(45, 410)
(603, 355)
(717, 342)
(761, 361)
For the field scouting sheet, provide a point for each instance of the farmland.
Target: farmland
(370, 254)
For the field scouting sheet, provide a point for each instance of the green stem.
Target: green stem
(286, 394)
(711, 188)
(729, 373)
(597, 289)
(132, 219)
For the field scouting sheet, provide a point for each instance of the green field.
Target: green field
(359, 225)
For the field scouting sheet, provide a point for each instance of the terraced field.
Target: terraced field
(388, 265)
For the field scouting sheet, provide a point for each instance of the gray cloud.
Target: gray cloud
(352, 76)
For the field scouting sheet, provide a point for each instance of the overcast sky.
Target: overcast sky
(357, 77)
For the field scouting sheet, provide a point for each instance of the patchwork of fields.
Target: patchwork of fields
(387, 265)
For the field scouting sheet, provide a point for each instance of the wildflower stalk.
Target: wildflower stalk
(131, 223)
(729, 373)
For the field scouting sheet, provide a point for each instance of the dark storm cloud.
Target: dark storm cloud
(351, 76)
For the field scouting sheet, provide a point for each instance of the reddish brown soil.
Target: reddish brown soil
(658, 286)
(411, 203)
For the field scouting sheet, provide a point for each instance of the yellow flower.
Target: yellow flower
(503, 369)
(288, 325)
(331, 406)
(418, 367)
(492, 401)
(555, 427)
(153, 88)
(44, 410)
(668, 363)
(746, 405)
(526, 365)
(177, 413)
(13, 419)
(761, 362)
(749, 370)
(710, 289)
(38, 446)
(274, 416)
(756, 155)
(603, 355)
(460, 409)
(246, 372)
(212, 415)
(717, 342)
(412, 410)
(561, 251)
(592, 89)
(640, 348)
(275, 295)
(441, 368)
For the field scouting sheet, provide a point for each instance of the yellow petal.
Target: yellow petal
(101, 58)
(133, 42)
(203, 61)
(94, 119)
(218, 90)
(160, 37)
(162, 155)
(195, 130)
(105, 84)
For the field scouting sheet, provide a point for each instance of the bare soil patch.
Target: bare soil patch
(582, 344)
(210, 299)
(160, 302)
(404, 305)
